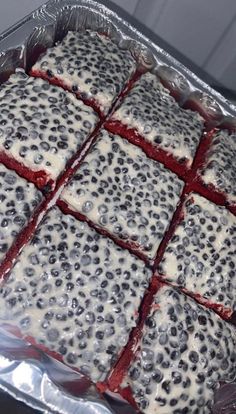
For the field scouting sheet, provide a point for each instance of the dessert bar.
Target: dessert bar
(184, 352)
(201, 253)
(41, 127)
(122, 190)
(151, 117)
(18, 200)
(219, 169)
(90, 65)
(75, 292)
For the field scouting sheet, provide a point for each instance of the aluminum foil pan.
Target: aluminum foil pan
(25, 372)
(21, 45)
(44, 383)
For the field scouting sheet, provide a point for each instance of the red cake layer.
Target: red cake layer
(131, 246)
(120, 369)
(90, 65)
(168, 373)
(59, 82)
(42, 127)
(88, 101)
(209, 192)
(116, 127)
(198, 255)
(200, 155)
(123, 191)
(39, 178)
(217, 173)
(177, 217)
(22, 239)
(104, 156)
(34, 352)
(225, 313)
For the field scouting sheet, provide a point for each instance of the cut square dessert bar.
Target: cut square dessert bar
(41, 127)
(201, 256)
(89, 64)
(219, 170)
(184, 352)
(149, 112)
(122, 190)
(75, 292)
(18, 199)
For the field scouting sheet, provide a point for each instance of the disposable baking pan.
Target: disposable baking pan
(26, 373)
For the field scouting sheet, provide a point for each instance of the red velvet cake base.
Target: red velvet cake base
(131, 246)
(116, 127)
(58, 82)
(39, 178)
(90, 102)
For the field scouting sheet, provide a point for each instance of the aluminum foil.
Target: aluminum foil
(45, 384)
(25, 372)
(21, 45)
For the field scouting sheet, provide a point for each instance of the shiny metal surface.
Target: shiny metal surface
(21, 45)
(45, 384)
